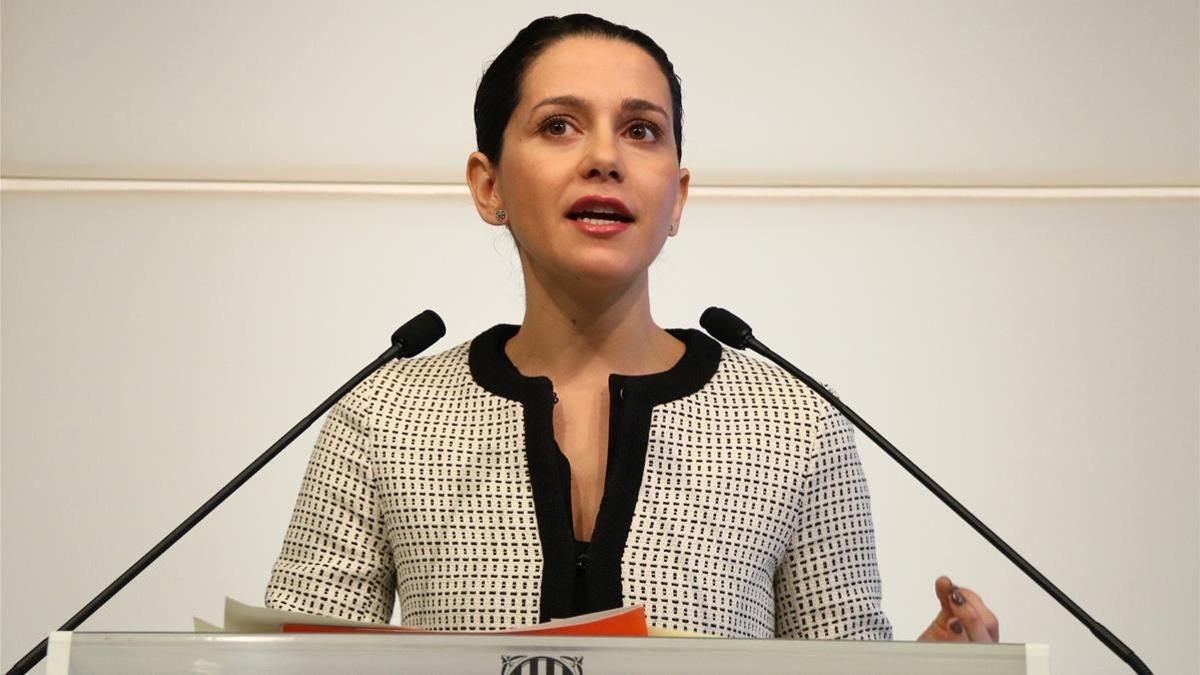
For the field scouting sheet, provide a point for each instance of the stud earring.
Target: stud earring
(501, 215)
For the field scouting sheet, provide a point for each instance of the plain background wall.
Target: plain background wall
(1040, 357)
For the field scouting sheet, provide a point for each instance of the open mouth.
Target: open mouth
(599, 217)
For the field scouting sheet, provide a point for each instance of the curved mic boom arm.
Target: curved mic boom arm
(414, 337)
(731, 330)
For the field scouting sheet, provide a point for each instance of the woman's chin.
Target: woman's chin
(606, 279)
(594, 269)
(600, 272)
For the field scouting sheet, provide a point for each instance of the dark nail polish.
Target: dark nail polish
(956, 626)
(957, 598)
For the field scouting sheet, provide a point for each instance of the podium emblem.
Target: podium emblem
(541, 665)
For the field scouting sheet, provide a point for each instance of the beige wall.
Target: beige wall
(918, 92)
(1035, 350)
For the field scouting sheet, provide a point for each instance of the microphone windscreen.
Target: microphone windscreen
(419, 333)
(725, 327)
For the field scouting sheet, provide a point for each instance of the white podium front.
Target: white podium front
(302, 654)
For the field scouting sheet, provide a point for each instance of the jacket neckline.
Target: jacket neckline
(494, 371)
(632, 399)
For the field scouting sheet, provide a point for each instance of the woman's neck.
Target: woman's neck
(571, 338)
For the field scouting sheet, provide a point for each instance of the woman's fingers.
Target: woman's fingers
(963, 617)
(990, 622)
(939, 631)
(945, 627)
(968, 614)
(942, 587)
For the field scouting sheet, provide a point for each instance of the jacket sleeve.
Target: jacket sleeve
(336, 560)
(827, 585)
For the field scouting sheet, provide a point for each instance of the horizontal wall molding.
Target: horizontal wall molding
(711, 191)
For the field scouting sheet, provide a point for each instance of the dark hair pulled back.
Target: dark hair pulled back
(499, 90)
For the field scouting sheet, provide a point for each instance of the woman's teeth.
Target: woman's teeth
(598, 221)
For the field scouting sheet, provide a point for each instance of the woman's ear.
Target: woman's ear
(481, 179)
(685, 177)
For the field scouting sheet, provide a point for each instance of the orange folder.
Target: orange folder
(620, 622)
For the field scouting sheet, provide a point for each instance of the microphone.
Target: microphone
(731, 330)
(410, 339)
(415, 336)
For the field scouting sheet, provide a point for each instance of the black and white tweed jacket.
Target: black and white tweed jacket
(734, 502)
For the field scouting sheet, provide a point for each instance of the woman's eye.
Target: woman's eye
(554, 125)
(648, 131)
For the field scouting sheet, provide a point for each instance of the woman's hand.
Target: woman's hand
(963, 617)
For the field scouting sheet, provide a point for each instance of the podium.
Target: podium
(374, 654)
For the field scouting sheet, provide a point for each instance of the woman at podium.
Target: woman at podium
(588, 458)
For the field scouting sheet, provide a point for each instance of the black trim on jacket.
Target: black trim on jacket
(632, 400)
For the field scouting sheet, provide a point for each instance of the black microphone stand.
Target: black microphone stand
(729, 329)
(409, 340)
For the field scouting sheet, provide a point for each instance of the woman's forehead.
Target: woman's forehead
(598, 71)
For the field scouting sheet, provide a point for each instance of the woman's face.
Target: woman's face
(594, 119)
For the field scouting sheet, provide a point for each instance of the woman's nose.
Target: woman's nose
(603, 157)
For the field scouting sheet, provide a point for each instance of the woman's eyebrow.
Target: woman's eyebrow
(627, 105)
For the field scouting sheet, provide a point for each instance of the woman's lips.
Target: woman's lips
(603, 230)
